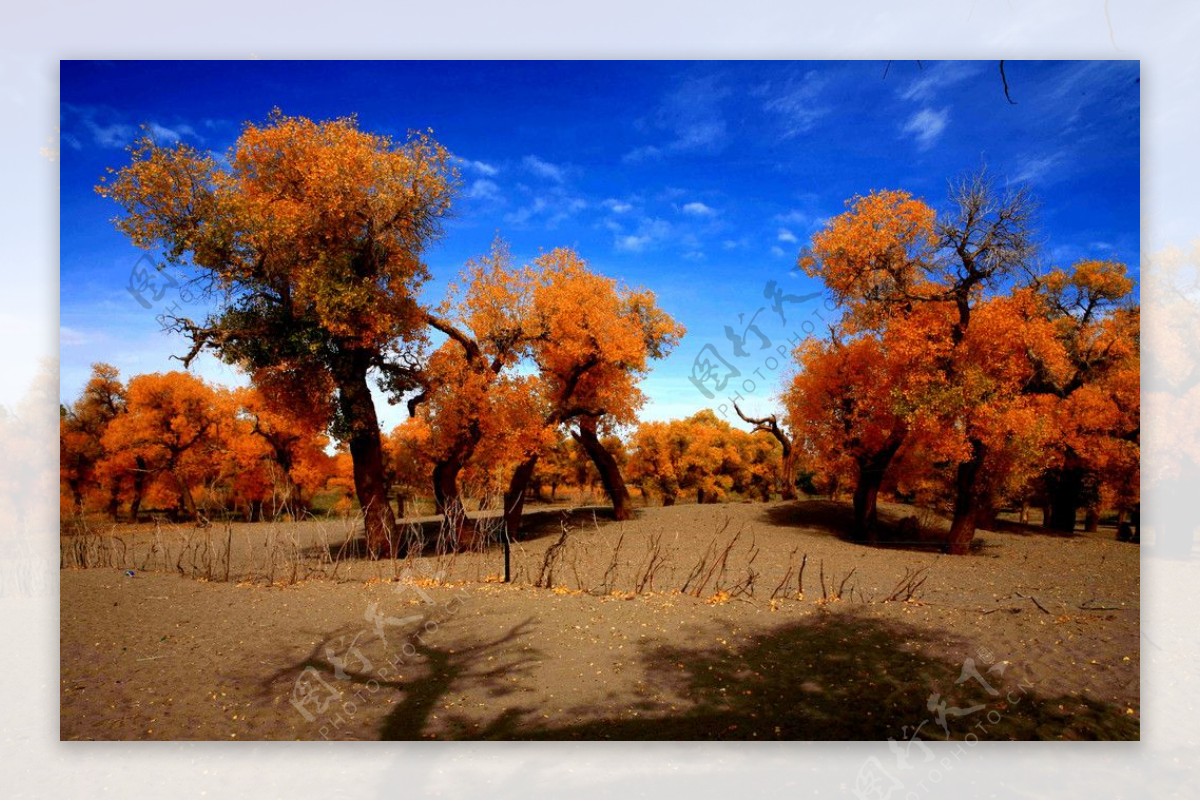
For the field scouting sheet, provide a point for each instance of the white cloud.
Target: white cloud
(777, 252)
(794, 217)
(650, 232)
(616, 206)
(787, 236)
(698, 209)
(481, 167)
(553, 207)
(162, 134)
(926, 126)
(483, 189)
(543, 169)
(114, 135)
(632, 243)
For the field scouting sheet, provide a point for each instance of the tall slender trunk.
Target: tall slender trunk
(966, 501)
(787, 490)
(139, 487)
(357, 410)
(187, 504)
(514, 497)
(871, 470)
(606, 465)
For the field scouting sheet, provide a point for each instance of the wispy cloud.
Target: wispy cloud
(617, 206)
(1039, 169)
(926, 126)
(69, 337)
(933, 78)
(787, 236)
(107, 128)
(164, 135)
(549, 209)
(640, 155)
(692, 119)
(544, 169)
(797, 103)
(777, 252)
(480, 167)
(698, 209)
(651, 231)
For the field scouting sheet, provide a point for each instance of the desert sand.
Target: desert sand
(689, 622)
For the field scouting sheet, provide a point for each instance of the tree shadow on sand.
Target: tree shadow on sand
(836, 519)
(409, 671)
(836, 677)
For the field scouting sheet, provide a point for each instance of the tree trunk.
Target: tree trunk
(871, 470)
(787, 489)
(357, 411)
(514, 498)
(966, 502)
(606, 465)
(256, 511)
(448, 501)
(1091, 520)
(187, 504)
(139, 488)
(1066, 490)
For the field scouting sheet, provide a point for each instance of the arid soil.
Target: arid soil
(689, 622)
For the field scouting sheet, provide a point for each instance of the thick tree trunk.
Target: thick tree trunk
(787, 489)
(606, 465)
(1091, 520)
(871, 470)
(1066, 496)
(514, 498)
(366, 452)
(448, 500)
(966, 502)
(256, 511)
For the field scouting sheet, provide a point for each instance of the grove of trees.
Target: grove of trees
(961, 371)
(961, 374)
(309, 244)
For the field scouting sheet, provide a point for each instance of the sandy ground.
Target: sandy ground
(690, 622)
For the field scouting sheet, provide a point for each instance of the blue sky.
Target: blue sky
(698, 180)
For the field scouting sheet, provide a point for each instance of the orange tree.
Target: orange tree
(592, 341)
(309, 237)
(81, 431)
(468, 391)
(704, 454)
(1094, 377)
(169, 441)
(890, 256)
